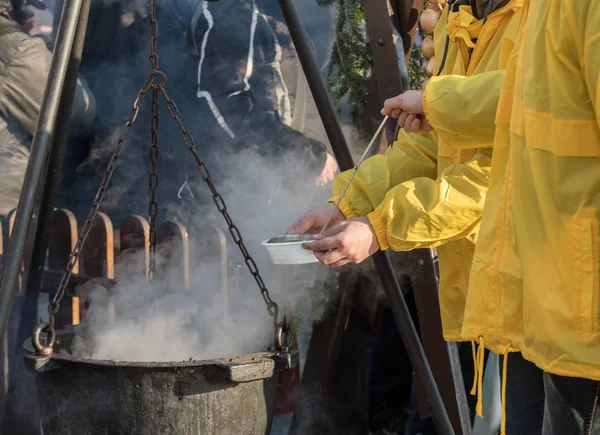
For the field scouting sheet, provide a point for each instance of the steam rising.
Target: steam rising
(163, 321)
(266, 185)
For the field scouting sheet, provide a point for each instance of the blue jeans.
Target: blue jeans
(524, 396)
(572, 406)
(542, 403)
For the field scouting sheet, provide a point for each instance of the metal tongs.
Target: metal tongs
(337, 204)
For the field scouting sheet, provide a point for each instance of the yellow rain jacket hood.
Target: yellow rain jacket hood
(424, 192)
(535, 281)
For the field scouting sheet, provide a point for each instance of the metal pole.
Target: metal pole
(40, 148)
(18, 386)
(305, 49)
(53, 172)
(340, 148)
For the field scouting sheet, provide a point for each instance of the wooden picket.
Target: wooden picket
(135, 239)
(174, 243)
(105, 246)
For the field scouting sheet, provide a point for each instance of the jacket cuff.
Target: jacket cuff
(425, 102)
(344, 208)
(380, 229)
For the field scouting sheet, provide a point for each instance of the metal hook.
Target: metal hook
(160, 74)
(47, 348)
(283, 336)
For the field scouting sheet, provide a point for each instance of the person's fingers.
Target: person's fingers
(408, 122)
(330, 257)
(402, 119)
(415, 126)
(330, 174)
(302, 225)
(333, 230)
(340, 263)
(325, 244)
(390, 104)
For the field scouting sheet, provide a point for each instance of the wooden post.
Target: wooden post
(62, 241)
(98, 255)
(173, 239)
(442, 356)
(135, 240)
(327, 336)
(386, 82)
(213, 235)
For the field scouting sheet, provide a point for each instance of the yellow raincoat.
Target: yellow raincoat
(423, 193)
(534, 286)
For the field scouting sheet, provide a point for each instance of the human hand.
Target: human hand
(350, 241)
(408, 109)
(313, 221)
(410, 101)
(412, 123)
(329, 170)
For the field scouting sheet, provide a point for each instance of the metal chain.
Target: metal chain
(153, 36)
(190, 144)
(153, 181)
(53, 307)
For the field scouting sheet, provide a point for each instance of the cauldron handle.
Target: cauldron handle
(41, 364)
(39, 348)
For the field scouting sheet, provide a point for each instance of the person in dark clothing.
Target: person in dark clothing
(232, 96)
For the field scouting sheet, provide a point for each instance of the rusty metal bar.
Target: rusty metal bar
(40, 149)
(340, 148)
(54, 168)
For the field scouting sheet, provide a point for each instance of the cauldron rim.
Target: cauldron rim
(253, 358)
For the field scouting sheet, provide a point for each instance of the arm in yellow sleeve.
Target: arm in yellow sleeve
(411, 156)
(425, 213)
(462, 110)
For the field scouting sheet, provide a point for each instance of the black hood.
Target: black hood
(481, 7)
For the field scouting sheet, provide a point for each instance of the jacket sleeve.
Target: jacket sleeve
(25, 82)
(591, 60)
(473, 101)
(411, 156)
(426, 213)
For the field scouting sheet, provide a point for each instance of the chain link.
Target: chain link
(153, 181)
(153, 36)
(190, 144)
(89, 222)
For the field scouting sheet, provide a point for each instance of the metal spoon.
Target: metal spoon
(337, 204)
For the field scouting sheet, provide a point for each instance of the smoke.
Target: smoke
(167, 320)
(265, 174)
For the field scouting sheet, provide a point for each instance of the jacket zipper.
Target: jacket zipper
(592, 411)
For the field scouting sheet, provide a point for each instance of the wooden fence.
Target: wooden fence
(105, 246)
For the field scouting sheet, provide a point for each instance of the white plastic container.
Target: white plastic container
(287, 249)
